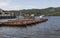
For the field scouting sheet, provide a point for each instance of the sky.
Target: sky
(28, 4)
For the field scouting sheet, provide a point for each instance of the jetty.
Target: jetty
(21, 20)
(25, 22)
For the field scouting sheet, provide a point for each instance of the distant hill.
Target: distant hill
(51, 11)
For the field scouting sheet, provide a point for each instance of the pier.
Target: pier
(25, 22)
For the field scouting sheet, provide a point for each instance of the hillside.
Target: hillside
(51, 11)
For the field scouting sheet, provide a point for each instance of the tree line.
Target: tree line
(50, 11)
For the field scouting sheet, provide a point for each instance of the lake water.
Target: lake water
(48, 29)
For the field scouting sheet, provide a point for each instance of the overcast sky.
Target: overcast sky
(28, 4)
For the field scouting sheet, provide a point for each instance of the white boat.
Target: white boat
(41, 16)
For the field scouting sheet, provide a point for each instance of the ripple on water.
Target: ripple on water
(49, 29)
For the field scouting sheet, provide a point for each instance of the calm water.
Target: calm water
(49, 29)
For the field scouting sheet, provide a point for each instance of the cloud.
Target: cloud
(14, 7)
(3, 4)
(8, 5)
(11, 5)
